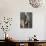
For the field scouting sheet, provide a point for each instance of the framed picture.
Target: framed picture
(25, 19)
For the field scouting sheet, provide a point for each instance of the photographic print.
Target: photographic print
(25, 19)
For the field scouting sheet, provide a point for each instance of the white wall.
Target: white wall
(12, 8)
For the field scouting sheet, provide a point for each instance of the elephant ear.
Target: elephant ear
(35, 3)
